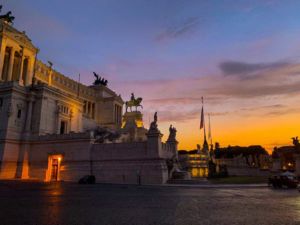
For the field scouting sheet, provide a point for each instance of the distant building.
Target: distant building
(242, 161)
(195, 161)
(286, 158)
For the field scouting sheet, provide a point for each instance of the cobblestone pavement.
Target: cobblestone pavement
(73, 204)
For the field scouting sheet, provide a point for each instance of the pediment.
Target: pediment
(17, 36)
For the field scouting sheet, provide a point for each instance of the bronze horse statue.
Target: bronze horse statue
(134, 103)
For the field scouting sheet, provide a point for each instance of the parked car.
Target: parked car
(286, 179)
(88, 179)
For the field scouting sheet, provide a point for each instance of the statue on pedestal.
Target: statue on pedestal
(134, 102)
(172, 134)
(296, 143)
(99, 80)
(153, 125)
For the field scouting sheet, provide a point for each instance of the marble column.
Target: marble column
(11, 64)
(2, 56)
(21, 82)
(93, 110)
(50, 77)
(89, 109)
(29, 73)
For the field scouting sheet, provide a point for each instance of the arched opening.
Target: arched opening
(54, 166)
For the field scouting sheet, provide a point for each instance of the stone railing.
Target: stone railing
(168, 150)
(166, 147)
(69, 136)
(61, 81)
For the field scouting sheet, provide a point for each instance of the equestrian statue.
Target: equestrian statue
(134, 102)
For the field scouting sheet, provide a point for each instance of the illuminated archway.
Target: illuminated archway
(54, 165)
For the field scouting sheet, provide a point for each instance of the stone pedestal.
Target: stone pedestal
(132, 119)
(133, 124)
(174, 145)
(154, 143)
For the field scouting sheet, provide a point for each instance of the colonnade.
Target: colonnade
(118, 114)
(89, 109)
(15, 65)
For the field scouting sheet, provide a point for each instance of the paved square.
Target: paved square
(73, 204)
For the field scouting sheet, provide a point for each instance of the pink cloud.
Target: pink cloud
(270, 92)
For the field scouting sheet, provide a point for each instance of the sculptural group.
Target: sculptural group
(7, 17)
(99, 80)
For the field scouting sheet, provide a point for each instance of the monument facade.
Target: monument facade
(54, 128)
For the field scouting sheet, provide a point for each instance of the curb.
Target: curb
(207, 186)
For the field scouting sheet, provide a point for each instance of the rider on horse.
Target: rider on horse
(133, 102)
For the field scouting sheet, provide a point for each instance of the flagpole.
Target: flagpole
(78, 89)
(201, 118)
(204, 129)
(210, 135)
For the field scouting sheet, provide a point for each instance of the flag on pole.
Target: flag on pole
(202, 119)
(78, 87)
(209, 128)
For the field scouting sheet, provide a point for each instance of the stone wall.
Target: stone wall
(126, 162)
(9, 156)
(148, 171)
(75, 157)
(109, 162)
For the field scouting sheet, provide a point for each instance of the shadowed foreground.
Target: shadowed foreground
(73, 204)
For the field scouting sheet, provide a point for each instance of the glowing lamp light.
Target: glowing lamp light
(139, 123)
(59, 158)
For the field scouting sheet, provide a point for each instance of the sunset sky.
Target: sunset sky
(243, 57)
